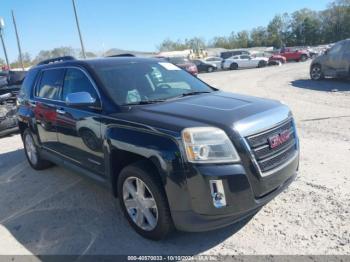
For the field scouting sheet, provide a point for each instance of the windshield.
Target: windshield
(133, 83)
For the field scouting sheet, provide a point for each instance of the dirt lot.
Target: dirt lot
(58, 212)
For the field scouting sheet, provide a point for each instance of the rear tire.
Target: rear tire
(32, 152)
(210, 69)
(303, 58)
(130, 180)
(316, 73)
(262, 63)
(234, 66)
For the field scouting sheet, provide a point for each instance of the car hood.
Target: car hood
(318, 59)
(220, 109)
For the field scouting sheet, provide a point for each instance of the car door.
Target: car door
(245, 61)
(338, 60)
(46, 100)
(332, 63)
(79, 127)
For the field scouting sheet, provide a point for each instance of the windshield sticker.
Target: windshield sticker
(133, 96)
(169, 66)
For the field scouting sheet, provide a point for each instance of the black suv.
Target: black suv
(177, 152)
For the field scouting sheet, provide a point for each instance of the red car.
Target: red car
(277, 59)
(184, 64)
(294, 55)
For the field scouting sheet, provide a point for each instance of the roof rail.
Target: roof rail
(56, 60)
(122, 55)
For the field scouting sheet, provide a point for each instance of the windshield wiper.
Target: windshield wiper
(195, 93)
(144, 102)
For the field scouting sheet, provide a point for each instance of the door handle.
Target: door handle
(60, 111)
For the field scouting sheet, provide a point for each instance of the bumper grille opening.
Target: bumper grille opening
(269, 157)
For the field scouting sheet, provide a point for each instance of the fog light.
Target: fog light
(217, 193)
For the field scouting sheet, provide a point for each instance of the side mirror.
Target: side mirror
(80, 99)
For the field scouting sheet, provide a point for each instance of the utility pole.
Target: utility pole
(2, 26)
(81, 38)
(18, 42)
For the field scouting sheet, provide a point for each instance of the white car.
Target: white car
(214, 60)
(244, 61)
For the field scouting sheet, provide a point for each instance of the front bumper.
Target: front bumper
(241, 196)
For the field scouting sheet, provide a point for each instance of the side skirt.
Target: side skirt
(61, 161)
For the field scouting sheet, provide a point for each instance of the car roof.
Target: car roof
(95, 62)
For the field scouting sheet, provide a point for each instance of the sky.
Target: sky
(134, 24)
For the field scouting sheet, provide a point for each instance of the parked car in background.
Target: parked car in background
(313, 52)
(244, 61)
(10, 81)
(214, 60)
(10, 84)
(8, 117)
(228, 54)
(177, 152)
(204, 66)
(333, 63)
(276, 60)
(185, 64)
(294, 55)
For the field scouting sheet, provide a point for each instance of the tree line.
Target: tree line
(304, 27)
(47, 54)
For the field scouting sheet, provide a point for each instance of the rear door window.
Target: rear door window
(50, 84)
(28, 84)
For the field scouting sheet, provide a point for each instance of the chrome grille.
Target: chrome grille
(269, 158)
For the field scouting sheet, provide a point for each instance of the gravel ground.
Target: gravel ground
(58, 212)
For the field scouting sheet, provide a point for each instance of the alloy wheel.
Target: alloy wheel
(31, 149)
(140, 203)
(316, 73)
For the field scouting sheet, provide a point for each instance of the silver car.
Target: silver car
(335, 62)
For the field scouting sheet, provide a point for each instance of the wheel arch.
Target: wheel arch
(316, 64)
(126, 146)
(234, 63)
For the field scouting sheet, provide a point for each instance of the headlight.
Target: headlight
(208, 145)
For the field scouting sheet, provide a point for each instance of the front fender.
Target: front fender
(162, 150)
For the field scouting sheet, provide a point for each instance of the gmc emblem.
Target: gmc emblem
(279, 139)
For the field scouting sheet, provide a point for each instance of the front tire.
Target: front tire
(143, 201)
(234, 66)
(32, 152)
(316, 73)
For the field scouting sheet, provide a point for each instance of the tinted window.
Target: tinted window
(28, 83)
(347, 47)
(335, 49)
(245, 56)
(50, 84)
(76, 81)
